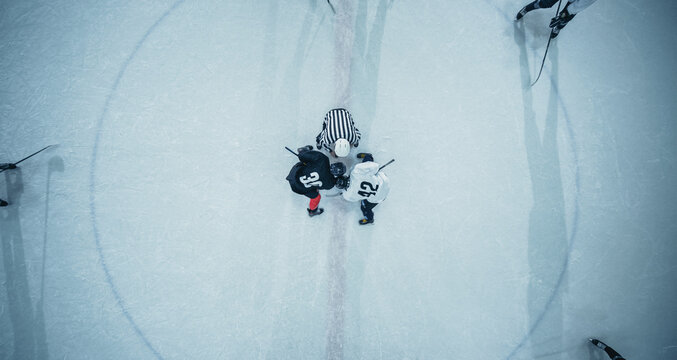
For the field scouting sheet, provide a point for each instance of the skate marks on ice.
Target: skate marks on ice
(549, 246)
(506, 15)
(336, 275)
(344, 34)
(290, 93)
(28, 330)
(364, 75)
(366, 61)
(92, 179)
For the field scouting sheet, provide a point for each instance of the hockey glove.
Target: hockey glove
(365, 157)
(560, 21)
(342, 183)
(8, 166)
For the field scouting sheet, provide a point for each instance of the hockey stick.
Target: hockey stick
(547, 46)
(388, 163)
(30, 156)
(290, 150)
(543, 62)
(332, 7)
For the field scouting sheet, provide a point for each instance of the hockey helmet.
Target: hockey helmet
(341, 148)
(343, 182)
(337, 169)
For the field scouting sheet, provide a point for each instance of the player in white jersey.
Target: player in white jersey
(365, 184)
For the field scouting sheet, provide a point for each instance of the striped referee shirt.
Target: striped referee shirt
(338, 124)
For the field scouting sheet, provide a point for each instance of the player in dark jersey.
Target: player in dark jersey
(311, 174)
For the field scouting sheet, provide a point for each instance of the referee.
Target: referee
(338, 133)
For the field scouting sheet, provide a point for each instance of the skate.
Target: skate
(366, 221)
(598, 343)
(524, 11)
(3, 203)
(315, 212)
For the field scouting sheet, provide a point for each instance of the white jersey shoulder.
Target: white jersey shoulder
(367, 183)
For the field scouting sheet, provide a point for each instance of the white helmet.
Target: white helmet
(341, 148)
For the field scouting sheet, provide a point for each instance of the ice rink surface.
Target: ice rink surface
(521, 220)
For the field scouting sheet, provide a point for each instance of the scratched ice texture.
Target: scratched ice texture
(522, 219)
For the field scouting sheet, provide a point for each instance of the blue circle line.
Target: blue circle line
(92, 181)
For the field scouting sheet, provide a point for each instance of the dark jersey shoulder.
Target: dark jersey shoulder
(313, 157)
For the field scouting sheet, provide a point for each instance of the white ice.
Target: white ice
(521, 220)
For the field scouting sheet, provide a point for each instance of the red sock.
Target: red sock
(314, 202)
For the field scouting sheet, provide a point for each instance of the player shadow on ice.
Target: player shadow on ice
(536, 25)
(55, 165)
(28, 326)
(547, 239)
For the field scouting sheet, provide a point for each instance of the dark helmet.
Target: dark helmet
(337, 169)
(343, 182)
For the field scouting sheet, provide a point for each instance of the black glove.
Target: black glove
(562, 19)
(7, 166)
(365, 157)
